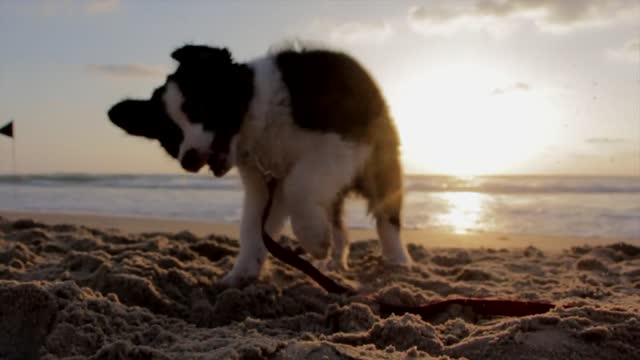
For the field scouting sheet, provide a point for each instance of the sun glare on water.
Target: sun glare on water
(468, 120)
(466, 212)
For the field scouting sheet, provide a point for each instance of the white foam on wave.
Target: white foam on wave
(572, 206)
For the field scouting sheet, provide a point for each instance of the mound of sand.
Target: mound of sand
(76, 292)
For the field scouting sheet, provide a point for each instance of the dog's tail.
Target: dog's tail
(381, 180)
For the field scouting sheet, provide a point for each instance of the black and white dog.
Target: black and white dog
(313, 119)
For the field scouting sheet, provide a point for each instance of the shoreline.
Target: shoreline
(428, 238)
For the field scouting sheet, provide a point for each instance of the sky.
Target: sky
(475, 86)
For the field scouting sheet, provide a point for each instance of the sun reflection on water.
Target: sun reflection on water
(466, 211)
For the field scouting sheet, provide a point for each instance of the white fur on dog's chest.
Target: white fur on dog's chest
(265, 139)
(270, 149)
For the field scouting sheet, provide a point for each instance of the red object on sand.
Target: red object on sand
(489, 307)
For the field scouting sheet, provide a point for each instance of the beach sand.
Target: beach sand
(98, 287)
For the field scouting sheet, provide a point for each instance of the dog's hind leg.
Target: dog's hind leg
(388, 227)
(252, 255)
(382, 185)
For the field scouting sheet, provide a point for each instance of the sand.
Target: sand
(72, 291)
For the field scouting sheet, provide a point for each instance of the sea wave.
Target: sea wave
(414, 183)
(525, 184)
(177, 182)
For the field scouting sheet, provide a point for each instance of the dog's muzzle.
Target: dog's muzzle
(192, 161)
(219, 164)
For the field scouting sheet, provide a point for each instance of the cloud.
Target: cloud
(128, 70)
(629, 52)
(53, 7)
(446, 18)
(74, 7)
(101, 6)
(518, 86)
(354, 31)
(605, 141)
(501, 16)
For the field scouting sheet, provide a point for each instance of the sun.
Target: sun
(467, 119)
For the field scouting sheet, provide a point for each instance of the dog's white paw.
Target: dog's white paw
(319, 250)
(400, 259)
(338, 265)
(330, 264)
(237, 278)
(322, 265)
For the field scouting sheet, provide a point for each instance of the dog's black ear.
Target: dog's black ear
(201, 53)
(134, 117)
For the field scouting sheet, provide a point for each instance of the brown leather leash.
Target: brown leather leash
(489, 307)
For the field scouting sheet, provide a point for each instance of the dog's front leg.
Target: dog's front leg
(252, 253)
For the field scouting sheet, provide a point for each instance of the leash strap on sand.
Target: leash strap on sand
(489, 307)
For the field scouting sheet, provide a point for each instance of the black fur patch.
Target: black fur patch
(216, 90)
(331, 92)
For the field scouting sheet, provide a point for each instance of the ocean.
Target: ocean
(591, 207)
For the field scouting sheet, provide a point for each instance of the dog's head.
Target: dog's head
(198, 110)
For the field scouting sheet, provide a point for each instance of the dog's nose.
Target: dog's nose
(191, 161)
(116, 112)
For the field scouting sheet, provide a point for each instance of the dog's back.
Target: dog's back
(331, 92)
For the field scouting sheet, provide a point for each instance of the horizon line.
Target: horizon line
(71, 173)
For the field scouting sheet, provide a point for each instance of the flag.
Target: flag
(7, 129)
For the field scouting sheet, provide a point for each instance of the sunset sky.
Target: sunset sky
(476, 87)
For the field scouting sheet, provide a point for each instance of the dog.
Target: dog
(313, 119)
